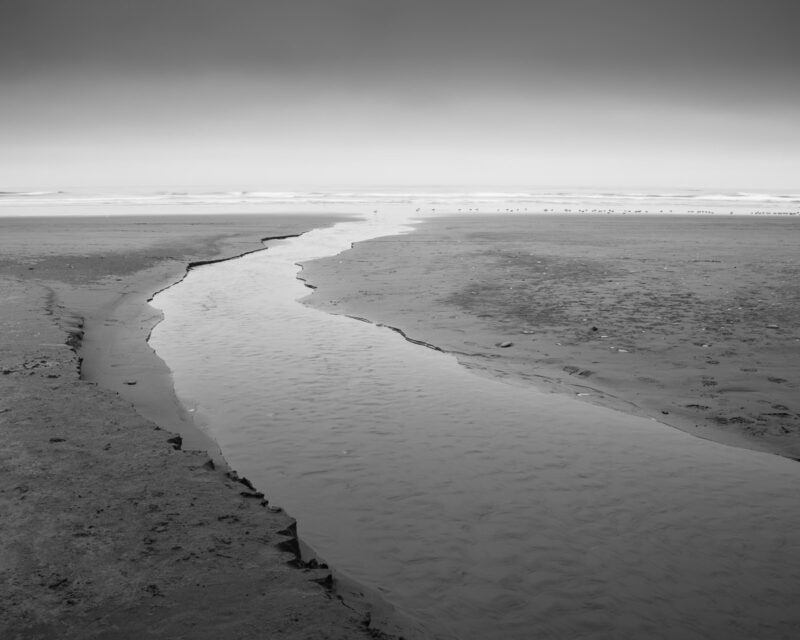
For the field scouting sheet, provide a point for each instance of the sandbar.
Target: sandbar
(689, 320)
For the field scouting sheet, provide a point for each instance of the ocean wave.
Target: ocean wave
(28, 194)
(751, 197)
(423, 197)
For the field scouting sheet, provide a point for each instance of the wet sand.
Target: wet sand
(110, 529)
(690, 320)
(113, 533)
(480, 509)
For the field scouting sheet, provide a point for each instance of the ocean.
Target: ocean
(226, 200)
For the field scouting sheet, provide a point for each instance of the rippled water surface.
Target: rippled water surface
(484, 510)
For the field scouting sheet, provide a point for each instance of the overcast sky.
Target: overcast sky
(293, 93)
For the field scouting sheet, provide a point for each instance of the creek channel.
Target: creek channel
(479, 509)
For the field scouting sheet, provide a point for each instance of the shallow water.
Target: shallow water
(482, 509)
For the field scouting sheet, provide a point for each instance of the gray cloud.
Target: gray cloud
(551, 83)
(372, 41)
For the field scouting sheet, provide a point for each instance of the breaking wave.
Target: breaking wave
(572, 200)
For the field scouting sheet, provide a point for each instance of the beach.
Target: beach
(471, 507)
(688, 320)
(110, 528)
(477, 508)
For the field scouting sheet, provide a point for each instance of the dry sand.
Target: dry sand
(689, 320)
(107, 530)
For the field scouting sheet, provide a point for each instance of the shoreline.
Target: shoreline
(532, 320)
(113, 316)
(426, 453)
(184, 522)
(381, 616)
(143, 378)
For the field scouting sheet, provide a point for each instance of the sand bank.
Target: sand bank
(687, 320)
(108, 530)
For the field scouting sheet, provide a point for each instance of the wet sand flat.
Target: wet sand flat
(477, 508)
(690, 320)
(109, 530)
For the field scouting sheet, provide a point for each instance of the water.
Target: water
(487, 200)
(481, 509)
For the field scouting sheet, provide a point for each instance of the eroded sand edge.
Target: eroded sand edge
(108, 529)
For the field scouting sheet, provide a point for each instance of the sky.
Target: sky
(275, 94)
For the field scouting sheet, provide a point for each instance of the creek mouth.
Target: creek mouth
(481, 509)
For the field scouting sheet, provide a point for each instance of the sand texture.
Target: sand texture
(108, 530)
(689, 320)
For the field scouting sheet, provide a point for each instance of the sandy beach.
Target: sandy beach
(483, 509)
(110, 528)
(117, 530)
(689, 320)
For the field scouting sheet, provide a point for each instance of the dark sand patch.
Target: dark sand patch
(689, 320)
(109, 529)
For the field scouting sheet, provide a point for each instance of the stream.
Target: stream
(479, 509)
